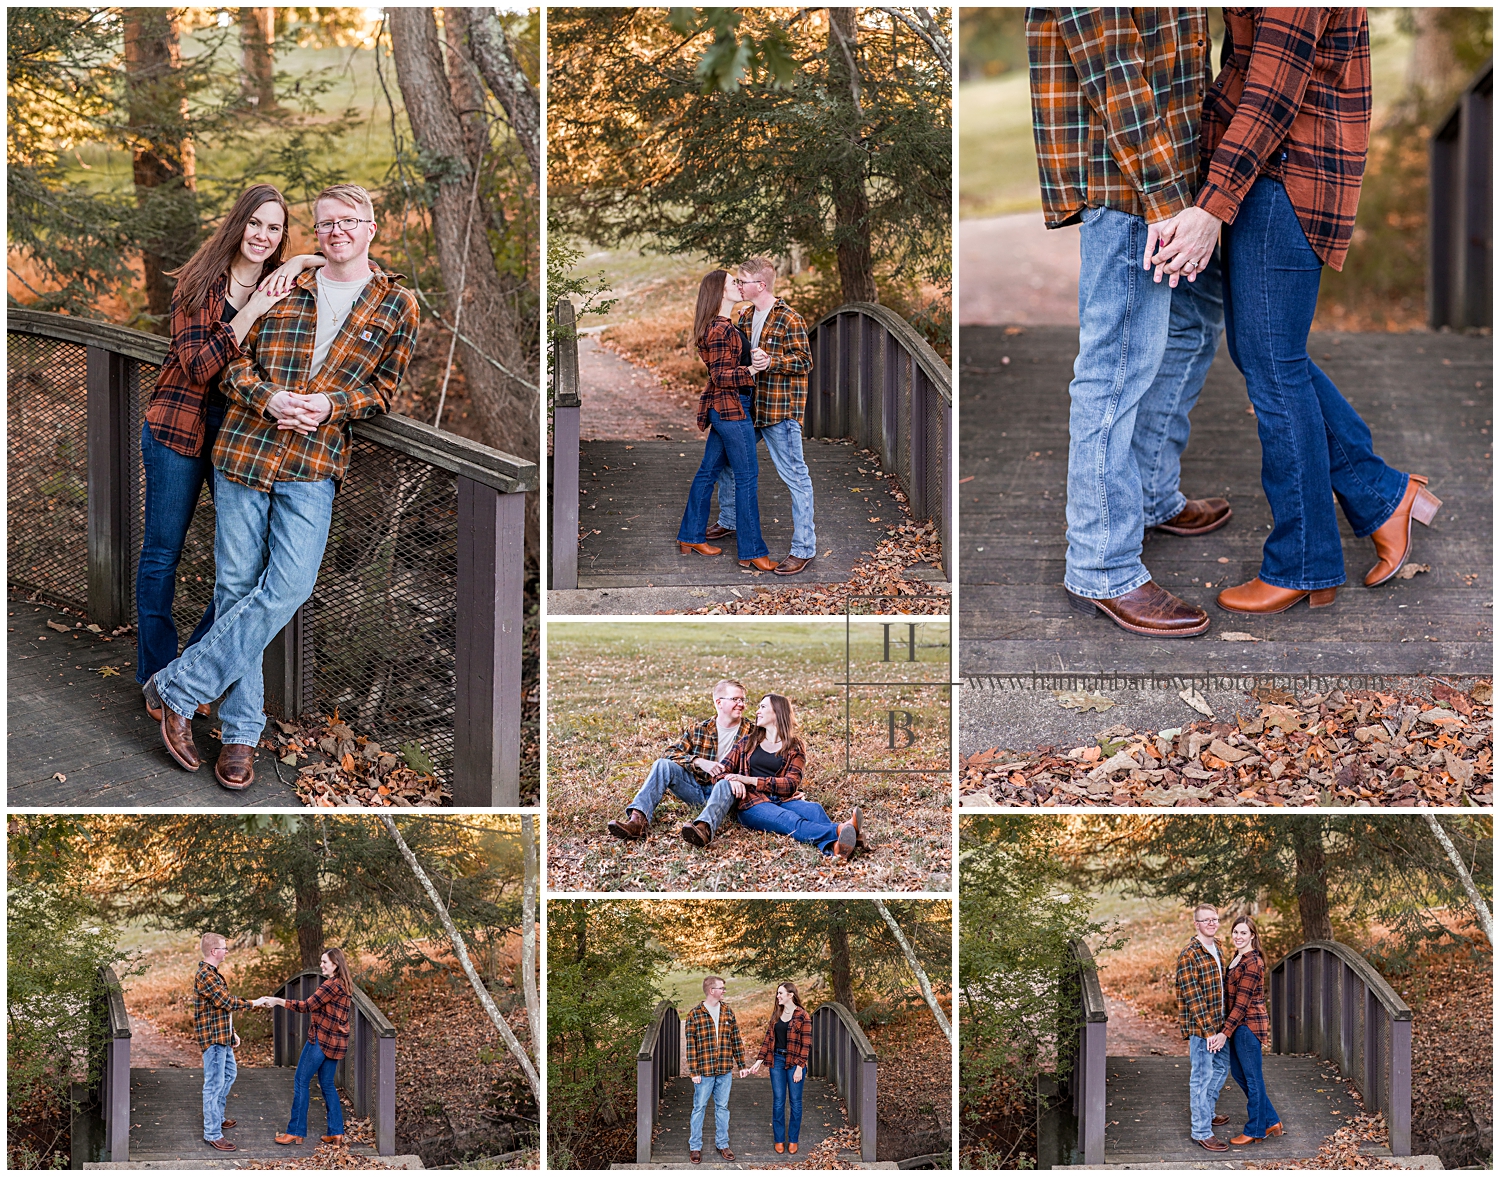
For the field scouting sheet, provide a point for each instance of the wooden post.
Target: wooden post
(1398, 1116)
(1091, 1123)
(117, 1091)
(945, 516)
(916, 441)
(567, 406)
(864, 434)
(867, 1115)
(108, 382)
(1475, 242)
(385, 1097)
(645, 1107)
(287, 667)
(487, 713)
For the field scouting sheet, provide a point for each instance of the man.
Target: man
(714, 1052)
(691, 770)
(1200, 1012)
(332, 352)
(213, 1022)
(778, 340)
(1116, 97)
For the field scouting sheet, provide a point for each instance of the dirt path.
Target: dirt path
(149, 1047)
(1131, 1035)
(1016, 270)
(623, 400)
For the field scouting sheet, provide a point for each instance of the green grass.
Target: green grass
(997, 160)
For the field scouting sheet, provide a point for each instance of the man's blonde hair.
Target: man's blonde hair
(730, 682)
(707, 981)
(209, 941)
(350, 194)
(1202, 907)
(762, 269)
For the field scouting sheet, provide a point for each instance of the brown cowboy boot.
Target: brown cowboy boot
(632, 828)
(1392, 538)
(1148, 610)
(697, 833)
(1198, 517)
(176, 730)
(235, 768)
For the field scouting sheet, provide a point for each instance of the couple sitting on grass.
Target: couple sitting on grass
(754, 769)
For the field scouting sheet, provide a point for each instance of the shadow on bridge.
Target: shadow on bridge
(1334, 1022)
(155, 1114)
(876, 387)
(841, 1074)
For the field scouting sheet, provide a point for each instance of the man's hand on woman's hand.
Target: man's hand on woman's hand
(759, 360)
(280, 280)
(1182, 245)
(1216, 1043)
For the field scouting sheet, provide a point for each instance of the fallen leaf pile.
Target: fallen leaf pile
(335, 766)
(838, 1150)
(1342, 1150)
(325, 1156)
(915, 1092)
(1346, 748)
(1452, 1079)
(881, 574)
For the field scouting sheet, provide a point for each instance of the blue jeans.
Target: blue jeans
(783, 1086)
(1143, 350)
(784, 443)
(312, 1062)
(1205, 1081)
(804, 820)
(715, 1088)
(729, 450)
(267, 550)
(1244, 1067)
(172, 486)
(668, 774)
(219, 1070)
(1311, 439)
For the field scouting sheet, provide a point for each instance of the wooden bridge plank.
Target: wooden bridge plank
(750, 1136)
(1418, 394)
(166, 1115)
(645, 490)
(65, 717)
(1148, 1122)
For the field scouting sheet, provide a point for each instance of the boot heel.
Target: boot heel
(1424, 510)
(1082, 604)
(1320, 597)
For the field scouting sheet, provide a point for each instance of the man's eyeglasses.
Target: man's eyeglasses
(323, 228)
(742, 282)
(1210, 920)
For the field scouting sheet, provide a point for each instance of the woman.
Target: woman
(786, 1050)
(1246, 1028)
(233, 279)
(327, 1042)
(725, 410)
(764, 771)
(1286, 129)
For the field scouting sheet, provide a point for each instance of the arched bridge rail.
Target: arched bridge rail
(366, 1074)
(414, 632)
(657, 1063)
(109, 1069)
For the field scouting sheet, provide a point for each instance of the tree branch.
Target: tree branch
(1480, 909)
(532, 875)
(911, 959)
(935, 40)
(497, 62)
(460, 949)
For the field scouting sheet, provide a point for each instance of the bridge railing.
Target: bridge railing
(413, 634)
(657, 1063)
(842, 1053)
(1460, 253)
(567, 407)
(1326, 999)
(876, 379)
(1081, 984)
(112, 1066)
(366, 1074)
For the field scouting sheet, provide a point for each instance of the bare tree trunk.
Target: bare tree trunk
(496, 58)
(1431, 70)
(841, 966)
(461, 950)
(1312, 881)
(851, 207)
(532, 885)
(1480, 908)
(494, 357)
(911, 959)
(465, 89)
(161, 150)
(257, 32)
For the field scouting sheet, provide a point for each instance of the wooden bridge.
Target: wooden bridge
(1334, 1021)
(155, 1114)
(841, 1074)
(876, 385)
(413, 633)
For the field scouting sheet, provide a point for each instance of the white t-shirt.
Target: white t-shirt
(713, 1012)
(1214, 950)
(727, 737)
(758, 321)
(335, 300)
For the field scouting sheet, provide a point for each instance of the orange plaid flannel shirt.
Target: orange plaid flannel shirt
(364, 365)
(780, 390)
(1115, 100)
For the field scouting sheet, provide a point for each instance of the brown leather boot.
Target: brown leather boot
(697, 833)
(632, 828)
(235, 768)
(1259, 598)
(1198, 517)
(1393, 537)
(336, 1139)
(154, 709)
(856, 819)
(1149, 610)
(287, 1138)
(176, 730)
(792, 565)
(762, 563)
(848, 836)
(1242, 1139)
(716, 532)
(702, 549)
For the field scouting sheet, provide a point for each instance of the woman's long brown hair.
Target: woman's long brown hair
(340, 969)
(796, 997)
(212, 261)
(786, 725)
(710, 295)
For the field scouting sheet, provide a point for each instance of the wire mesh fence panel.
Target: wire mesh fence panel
(901, 443)
(384, 612)
(935, 477)
(47, 499)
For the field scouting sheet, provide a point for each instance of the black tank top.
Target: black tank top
(763, 763)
